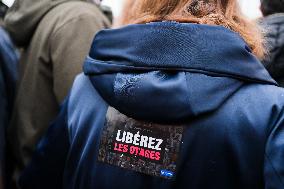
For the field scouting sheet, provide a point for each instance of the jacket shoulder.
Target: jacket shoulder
(84, 107)
(83, 97)
(259, 102)
(82, 89)
(262, 94)
(75, 10)
(69, 11)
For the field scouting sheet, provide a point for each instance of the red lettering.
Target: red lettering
(141, 153)
(158, 156)
(152, 155)
(115, 147)
(132, 149)
(147, 153)
(125, 148)
(120, 146)
(136, 151)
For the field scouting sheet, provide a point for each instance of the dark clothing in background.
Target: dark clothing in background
(3, 10)
(56, 36)
(9, 63)
(8, 78)
(198, 80)
(274, 61)
(269, 7)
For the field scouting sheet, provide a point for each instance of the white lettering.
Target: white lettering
(136, 139)
(139, 140)
(151, 143)
(118, 135)
(143, 141)
(129, 137)
(160, 141)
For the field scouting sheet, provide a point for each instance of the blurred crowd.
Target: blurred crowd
(43, 45)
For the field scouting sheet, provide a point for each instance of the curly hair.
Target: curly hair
(226, 13)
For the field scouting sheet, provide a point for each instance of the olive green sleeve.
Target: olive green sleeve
(70, 45)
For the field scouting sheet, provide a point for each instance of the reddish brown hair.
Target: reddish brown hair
(214, 12)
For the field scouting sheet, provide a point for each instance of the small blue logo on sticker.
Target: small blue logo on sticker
(167, 173)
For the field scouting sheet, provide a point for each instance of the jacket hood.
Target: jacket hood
(168, 71)
(23, 17)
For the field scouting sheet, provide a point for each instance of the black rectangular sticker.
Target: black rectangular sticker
(140, 146)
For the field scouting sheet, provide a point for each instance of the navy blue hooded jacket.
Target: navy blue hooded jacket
(8, 77)
(166, 105)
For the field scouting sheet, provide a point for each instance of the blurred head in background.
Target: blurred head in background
(3, 10)
(269, 7)
(226, 13)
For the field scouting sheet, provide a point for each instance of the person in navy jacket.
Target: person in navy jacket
(8, 77)
(177, 99)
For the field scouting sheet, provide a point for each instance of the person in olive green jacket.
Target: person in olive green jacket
(56, 36)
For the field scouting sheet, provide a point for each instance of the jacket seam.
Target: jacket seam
(274, 169)
(194, 70)
(187, 94)
(275, 123)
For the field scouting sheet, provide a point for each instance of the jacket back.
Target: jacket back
(60, 34)
(166, 105)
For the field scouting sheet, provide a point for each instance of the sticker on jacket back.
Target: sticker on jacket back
(140, 146)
